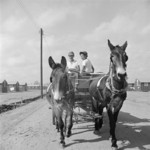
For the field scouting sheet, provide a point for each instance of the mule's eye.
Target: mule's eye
(111, 57)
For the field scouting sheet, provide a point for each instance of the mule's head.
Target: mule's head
(58, 78)
(118, 59)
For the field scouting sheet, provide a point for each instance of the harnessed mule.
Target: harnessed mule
(60, 94)
(110, 90)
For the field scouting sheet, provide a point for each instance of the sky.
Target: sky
(72, 25)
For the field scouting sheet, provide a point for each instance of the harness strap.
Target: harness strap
(48, 88)
(111, 87)
(99, 93)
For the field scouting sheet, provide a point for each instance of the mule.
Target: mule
(61, 98)
(110, 90)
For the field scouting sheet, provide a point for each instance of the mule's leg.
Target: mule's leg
(95, 110)
(100, 116)
(57, 125)
(112, 122)
(53, 117)
(54, 120)
(99, 119)
(61, 127)
(69, 124)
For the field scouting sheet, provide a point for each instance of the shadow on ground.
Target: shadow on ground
(132, 132)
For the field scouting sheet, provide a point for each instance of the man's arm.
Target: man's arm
(73, 70)
(83, 69)
(93, 69)
(78, 68)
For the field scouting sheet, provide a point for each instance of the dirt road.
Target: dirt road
(30, 128)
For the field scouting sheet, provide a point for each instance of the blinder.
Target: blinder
(51, 79)
(126, 57)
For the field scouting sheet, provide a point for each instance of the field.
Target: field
(30, 128)
(7, 98)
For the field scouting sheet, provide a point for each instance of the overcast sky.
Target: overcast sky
(72, 25)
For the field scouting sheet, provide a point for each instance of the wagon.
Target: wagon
(83, 103)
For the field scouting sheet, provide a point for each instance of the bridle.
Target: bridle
(110, 83)
(69, 89)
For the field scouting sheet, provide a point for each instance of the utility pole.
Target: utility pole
(41, 64)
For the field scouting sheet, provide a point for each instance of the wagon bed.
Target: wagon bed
(82, 95)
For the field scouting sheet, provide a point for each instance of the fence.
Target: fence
(6, 87)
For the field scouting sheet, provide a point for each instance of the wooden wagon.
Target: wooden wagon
(83, 103)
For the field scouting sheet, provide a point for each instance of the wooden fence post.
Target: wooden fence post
(17, 86)
(4, 87)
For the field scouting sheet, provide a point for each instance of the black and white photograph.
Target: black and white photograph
(74, 74)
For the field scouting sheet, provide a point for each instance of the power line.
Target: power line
(22, 6)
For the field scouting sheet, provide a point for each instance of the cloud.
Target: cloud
(14, 61)
(13, 24)
(7, 41)
(54, 16)
(50, 18)
(118, 27)
(146, 30)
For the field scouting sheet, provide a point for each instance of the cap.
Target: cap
(84, 53)
(71, 53)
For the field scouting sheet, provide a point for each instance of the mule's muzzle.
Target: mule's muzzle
(121, 76)
(60, 99)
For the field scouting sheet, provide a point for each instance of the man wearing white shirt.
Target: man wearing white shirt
(73, 69)
(72, 65)
(87, 66)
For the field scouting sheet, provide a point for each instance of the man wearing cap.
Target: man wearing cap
(87, 66)
(72, 64)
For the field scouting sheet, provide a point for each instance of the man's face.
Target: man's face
(71, 57)
(83, 56)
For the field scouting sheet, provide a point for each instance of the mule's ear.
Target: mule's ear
(124, 46)
(51, 62)
(110, 45)
(63, 62)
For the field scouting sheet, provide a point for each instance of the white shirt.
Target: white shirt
(72, 65)
(88, 65)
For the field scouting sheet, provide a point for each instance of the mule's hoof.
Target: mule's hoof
(68, 134)
(114, 148)
(96, 132)
(62, 144)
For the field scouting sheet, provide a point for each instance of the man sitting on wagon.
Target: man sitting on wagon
(87, 66)
(73, 68)
(72, 64)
